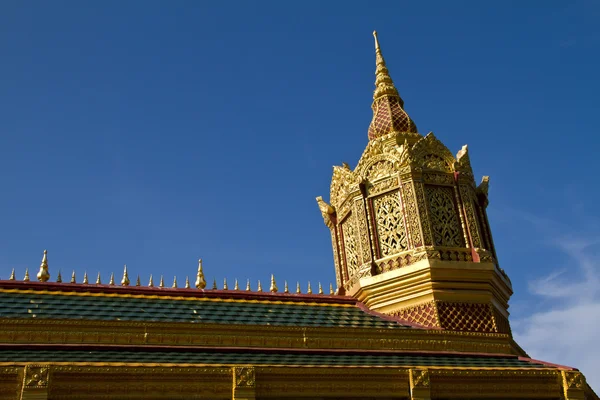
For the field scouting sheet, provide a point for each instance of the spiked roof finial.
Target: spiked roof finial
(187, 282)
(85, 278)
(98, 280)
(26, 277)
(137, 281)
(111, 281)
(174, 282)
(12, 275)
(320, 288)
(200, 279)
(43, 275)
(298, 290)
(73, 279)
(331, 288)
(236, 286)
(225, 287)
(285, 287)
(162, 282)
(151, 281)
(259, 288)
(59, 277)
(214, 284)
(125, 280)
(388, 107)
(309, 289)
(248, 286)
(273, 287)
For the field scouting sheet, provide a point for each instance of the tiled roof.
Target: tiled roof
(258, 310)
(265, 357)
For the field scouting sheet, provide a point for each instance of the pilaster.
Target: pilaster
(244, 383)
(420, 384)
(35, 382)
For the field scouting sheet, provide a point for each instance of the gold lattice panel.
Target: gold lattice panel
(350, 244)
(391, 232)
(443, 213)
(474, 317)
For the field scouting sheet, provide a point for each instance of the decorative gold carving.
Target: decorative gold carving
(423, 212)
(363, 230)
(390, 224)
(350, 244)
(244, 377)
(444, 219)
(466, 316)
(382, 186)
(340, 185)
(381, 169)
(412, 214)
(467, 200)
(438, 178)
(200, 279)
(125, 279)
(419, 378)
(429, 153)
(573, 380)
(36, 376)
(43, 275)
(423, 314)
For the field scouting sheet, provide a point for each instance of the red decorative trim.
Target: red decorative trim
(169, 292)
(533, 360)
(393, 318)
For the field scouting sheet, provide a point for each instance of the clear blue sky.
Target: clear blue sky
(151, 133)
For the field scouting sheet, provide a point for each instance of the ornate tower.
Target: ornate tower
(409, 227)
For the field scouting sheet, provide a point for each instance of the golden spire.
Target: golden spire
(259, 288)
(59, 277)
(125, 280)
(111, 281)
(85, 278)
(73, 279)
(26, 278)
(388, 107)
(200, 280)
(12, 275)
(320, 288)
(214, 284)
(151, 281)
(137, 281)
(298, 290)
(236, 286)
(285, 287)
(43, 275)
(273, 287)
(330, 288)
(187, 282)
(162, 282)
(225, 284)
(309, 289)
(248, 285)
(174, 282)
(98, 280)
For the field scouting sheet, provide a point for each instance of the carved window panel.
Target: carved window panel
(443, 215)
(349, 233)
(391, 230)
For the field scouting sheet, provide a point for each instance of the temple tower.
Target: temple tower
(409, 228)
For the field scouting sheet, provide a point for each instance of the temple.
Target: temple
(419, 311)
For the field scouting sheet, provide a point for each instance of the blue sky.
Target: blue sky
(150, 133)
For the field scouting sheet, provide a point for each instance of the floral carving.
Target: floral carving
(444, 218)
(244, 377)
(390, 224)
(363, 231)
(350, 244)
(36, 376)
(412, 214)
(419, 378)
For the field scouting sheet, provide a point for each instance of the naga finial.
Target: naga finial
(200, 279)
(125, 280)
(43, 275)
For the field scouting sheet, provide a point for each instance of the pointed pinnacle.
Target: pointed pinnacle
(320, 288)
(26, 278)
(85, 278)
(225, 284)
(285, 287)
(111, 281)
(174, 282)
(73, 278)
(309, 290)
(248, 286)
(125, 280)
(12, 275)
(330, 288)
(43, 275)
(187, 282)
(98, 280)
(236, 286)
(259, 288)
(376, 40)
(59, 277)
(200, 280)
(298, 290)
(214, 284)
(273, 287)
(151, 281)
(162, 282)
(137, 281)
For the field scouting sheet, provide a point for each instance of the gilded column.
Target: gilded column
(35, 382)
(420, 384)
(244, 383)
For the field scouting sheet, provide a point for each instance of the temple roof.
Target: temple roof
(113, 303)
(288, 357)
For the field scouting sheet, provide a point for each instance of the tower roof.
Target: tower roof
(388, 107)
